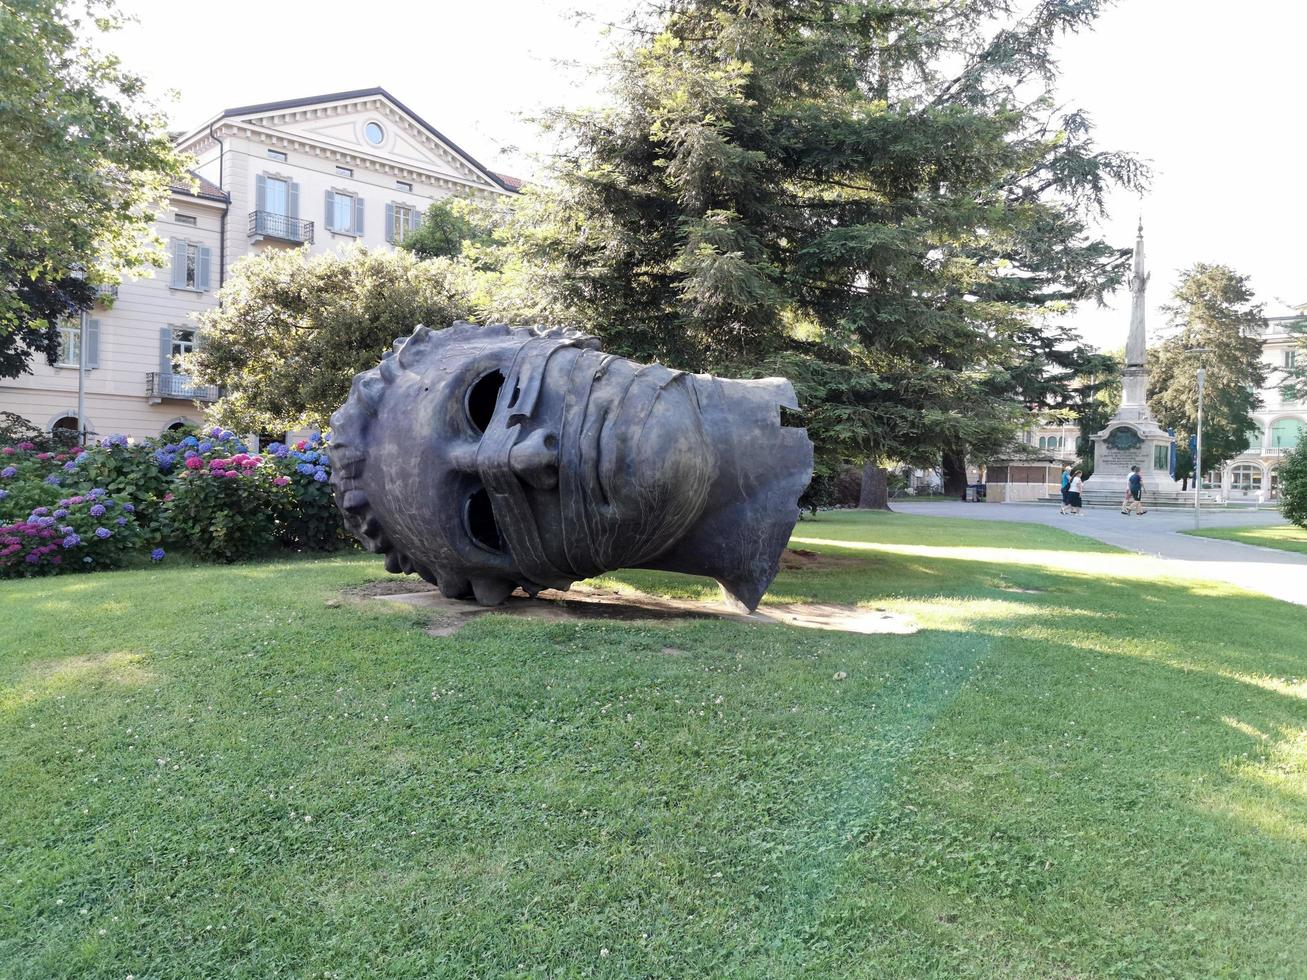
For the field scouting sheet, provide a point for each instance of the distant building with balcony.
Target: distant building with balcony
(1281, 421)
(324, 171)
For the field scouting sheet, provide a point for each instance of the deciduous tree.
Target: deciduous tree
(1218, 327)
(84, 159)
(293, 329)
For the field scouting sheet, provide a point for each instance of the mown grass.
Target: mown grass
(1285, 537)
(1074, 768)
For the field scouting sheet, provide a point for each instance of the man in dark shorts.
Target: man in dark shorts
(1134, 493)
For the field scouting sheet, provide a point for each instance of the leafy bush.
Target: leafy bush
(87, 532)
(138, 472)
(1293, 485)
(309, 516)
(31, 477)
(223, 508)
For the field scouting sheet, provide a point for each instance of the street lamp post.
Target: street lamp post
(1198, 454)
(77, 273)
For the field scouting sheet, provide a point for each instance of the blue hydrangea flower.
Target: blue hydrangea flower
(121, 522)
(40, 511)
(305, 468)
(129, 509)
(71, 465)
(53, 480)
(310, 457)
(190, 441)
(102, 533)
(45, 521)
(157, 554)
(96, 492)
(9, 471)
(3, 494)
(97, 510)
(72, 541)
(205, 446)
(320, 476)
(61, 512)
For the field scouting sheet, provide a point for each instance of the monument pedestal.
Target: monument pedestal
(1127, 442)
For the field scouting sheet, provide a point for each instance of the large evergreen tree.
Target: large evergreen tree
(804, 188)
(1217, 327)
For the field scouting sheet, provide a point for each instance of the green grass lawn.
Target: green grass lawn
(1074, 768)
(1286, 537)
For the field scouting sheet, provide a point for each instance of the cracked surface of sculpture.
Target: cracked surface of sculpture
(489, 458)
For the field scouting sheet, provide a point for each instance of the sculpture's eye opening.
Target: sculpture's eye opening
(481, 399)
(479, 518)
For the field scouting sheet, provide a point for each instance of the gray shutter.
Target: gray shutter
(358, 216)
(417, 216)
(390, 222)
(293, 199)
(202, 267)
(328, 222)
(92, 343)
(165, 350)
(260, 193)
(179, 265)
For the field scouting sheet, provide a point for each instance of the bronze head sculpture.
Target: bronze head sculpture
(488, 458)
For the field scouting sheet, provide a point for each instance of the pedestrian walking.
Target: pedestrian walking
(1134, 493)
(1066, 485)
(1073, 499)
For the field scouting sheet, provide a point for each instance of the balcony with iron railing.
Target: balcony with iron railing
(280, 227)
(159, 386)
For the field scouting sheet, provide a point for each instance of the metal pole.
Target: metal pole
(1198, 454)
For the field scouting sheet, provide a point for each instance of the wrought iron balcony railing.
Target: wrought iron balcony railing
(161, 386)
(106, 291)
(266, 224)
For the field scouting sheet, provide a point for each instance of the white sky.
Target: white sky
(1208, 91)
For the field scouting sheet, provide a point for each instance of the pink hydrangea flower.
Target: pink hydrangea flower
(231, 473)
(194, 463)
(281, 481)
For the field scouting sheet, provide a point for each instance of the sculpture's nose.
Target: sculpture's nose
(535, 460)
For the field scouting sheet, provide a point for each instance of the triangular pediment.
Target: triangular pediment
(343, 125)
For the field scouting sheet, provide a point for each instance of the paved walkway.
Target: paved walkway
(1281, 574)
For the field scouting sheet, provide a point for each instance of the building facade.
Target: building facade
(1281, 423)
(323, 172)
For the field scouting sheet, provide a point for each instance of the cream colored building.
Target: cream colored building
(1281, 423)
(325, 171)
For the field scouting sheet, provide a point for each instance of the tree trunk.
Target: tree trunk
(955, 474)
(874, 494)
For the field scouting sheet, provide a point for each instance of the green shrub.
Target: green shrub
(309, 517)
(1293, 485)
(223, 509)
(83, 533)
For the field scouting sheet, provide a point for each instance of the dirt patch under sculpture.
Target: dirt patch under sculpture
(583, 602)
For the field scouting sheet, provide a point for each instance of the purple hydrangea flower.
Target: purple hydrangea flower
(97, 492)
(70, 466)
(53, 480)
(129, 509)
(97, 510)
(9, 471)
(102, 533)
(320, 476)
(40, 511)
(3, 494)
(33, 557)
(60, 513)
(72, 541)
(121, 522)
(205, 446)
(157, 554)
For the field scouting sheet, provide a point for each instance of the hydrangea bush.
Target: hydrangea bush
(84, 532)
(204, 493)
(309, 517)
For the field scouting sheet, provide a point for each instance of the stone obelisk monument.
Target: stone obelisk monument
(1133, 437)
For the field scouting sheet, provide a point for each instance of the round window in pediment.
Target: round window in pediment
(374, 133)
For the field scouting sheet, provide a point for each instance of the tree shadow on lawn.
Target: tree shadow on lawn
(1065, 785)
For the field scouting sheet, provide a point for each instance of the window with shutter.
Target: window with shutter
(390, 223)
(202, 267)
(329, 212)
(92, 343)
(179, 265)
(358, 216)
